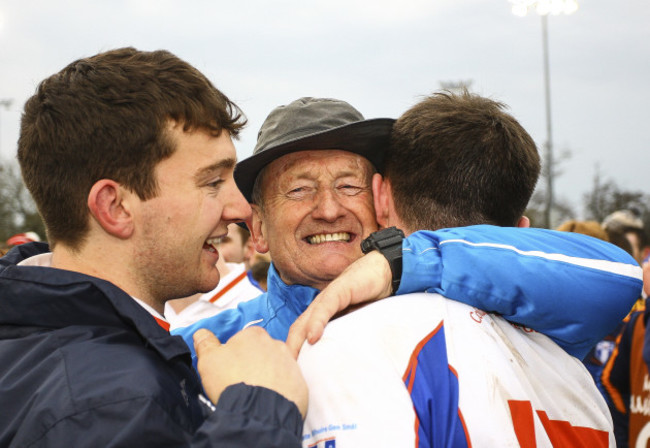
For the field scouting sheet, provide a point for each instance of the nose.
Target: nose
(328, 206)
(237, 207)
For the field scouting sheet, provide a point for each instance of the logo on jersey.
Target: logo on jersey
(603, 351)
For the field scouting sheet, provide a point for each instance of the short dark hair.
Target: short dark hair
(617, 237)
(458, 159)
(106, 116)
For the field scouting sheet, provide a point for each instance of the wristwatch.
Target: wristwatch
(389, 243)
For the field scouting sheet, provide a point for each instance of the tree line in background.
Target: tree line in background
(604, 198)
(18, 212)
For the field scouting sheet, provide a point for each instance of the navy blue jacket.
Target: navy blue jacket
(82, 364)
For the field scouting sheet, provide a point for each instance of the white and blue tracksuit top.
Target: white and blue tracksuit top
(569, 286)
(420, 370)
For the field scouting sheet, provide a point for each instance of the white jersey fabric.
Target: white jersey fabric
(233, 288)
(423, 371)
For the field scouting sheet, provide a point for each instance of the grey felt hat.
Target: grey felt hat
(311, 124)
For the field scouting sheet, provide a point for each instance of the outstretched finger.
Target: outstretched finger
(315, 322)
(298, 334)
(311, 324)
(333, 299)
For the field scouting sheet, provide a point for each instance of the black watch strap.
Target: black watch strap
(389, 243)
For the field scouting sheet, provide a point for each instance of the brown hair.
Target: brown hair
(459, 159)
(591, 228)
(106, 117)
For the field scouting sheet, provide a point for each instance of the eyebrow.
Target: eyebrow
(307, 174)
(209, 170)
(353, 173)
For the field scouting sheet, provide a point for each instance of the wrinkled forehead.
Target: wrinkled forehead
(329, 163)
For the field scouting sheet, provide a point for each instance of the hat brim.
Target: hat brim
(368, 138)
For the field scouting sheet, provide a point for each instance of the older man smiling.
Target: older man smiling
(312, 210)
(309, 182)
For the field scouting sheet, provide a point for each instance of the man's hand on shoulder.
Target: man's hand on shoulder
(367, 279)
(252, 357)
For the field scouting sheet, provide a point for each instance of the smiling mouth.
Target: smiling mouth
(211, 244)
(328, 237)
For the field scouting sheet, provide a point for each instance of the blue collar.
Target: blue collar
(296, 297)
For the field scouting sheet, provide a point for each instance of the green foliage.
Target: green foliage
(17, 209)
(561, 212)
(604, 198)
(607, 197)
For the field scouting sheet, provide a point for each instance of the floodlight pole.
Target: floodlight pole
(549, 128)
(544, 8)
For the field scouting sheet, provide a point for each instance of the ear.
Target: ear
(381, 196)
(523, 222)
(258, 230)
(109, 207)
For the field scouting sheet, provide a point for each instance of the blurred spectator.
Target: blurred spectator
(625, 377)
(234, 246)
(625, 230)
(629, 223)
(618, 238)
(259, 271)
(598, 356)
(18, 239)
(625, 381)
(591, 228)
(237, 247)
(22, 238)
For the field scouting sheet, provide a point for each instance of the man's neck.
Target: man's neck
(104, 263)
(395, 221)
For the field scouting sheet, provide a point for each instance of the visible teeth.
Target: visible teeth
(213, 242)
(322, 238)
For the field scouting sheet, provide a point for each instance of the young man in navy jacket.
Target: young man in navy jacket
(129, 158)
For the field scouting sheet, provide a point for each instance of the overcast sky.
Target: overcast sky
(379, 55)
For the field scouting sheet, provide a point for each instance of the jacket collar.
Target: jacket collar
(54, 298)
(296, 297)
